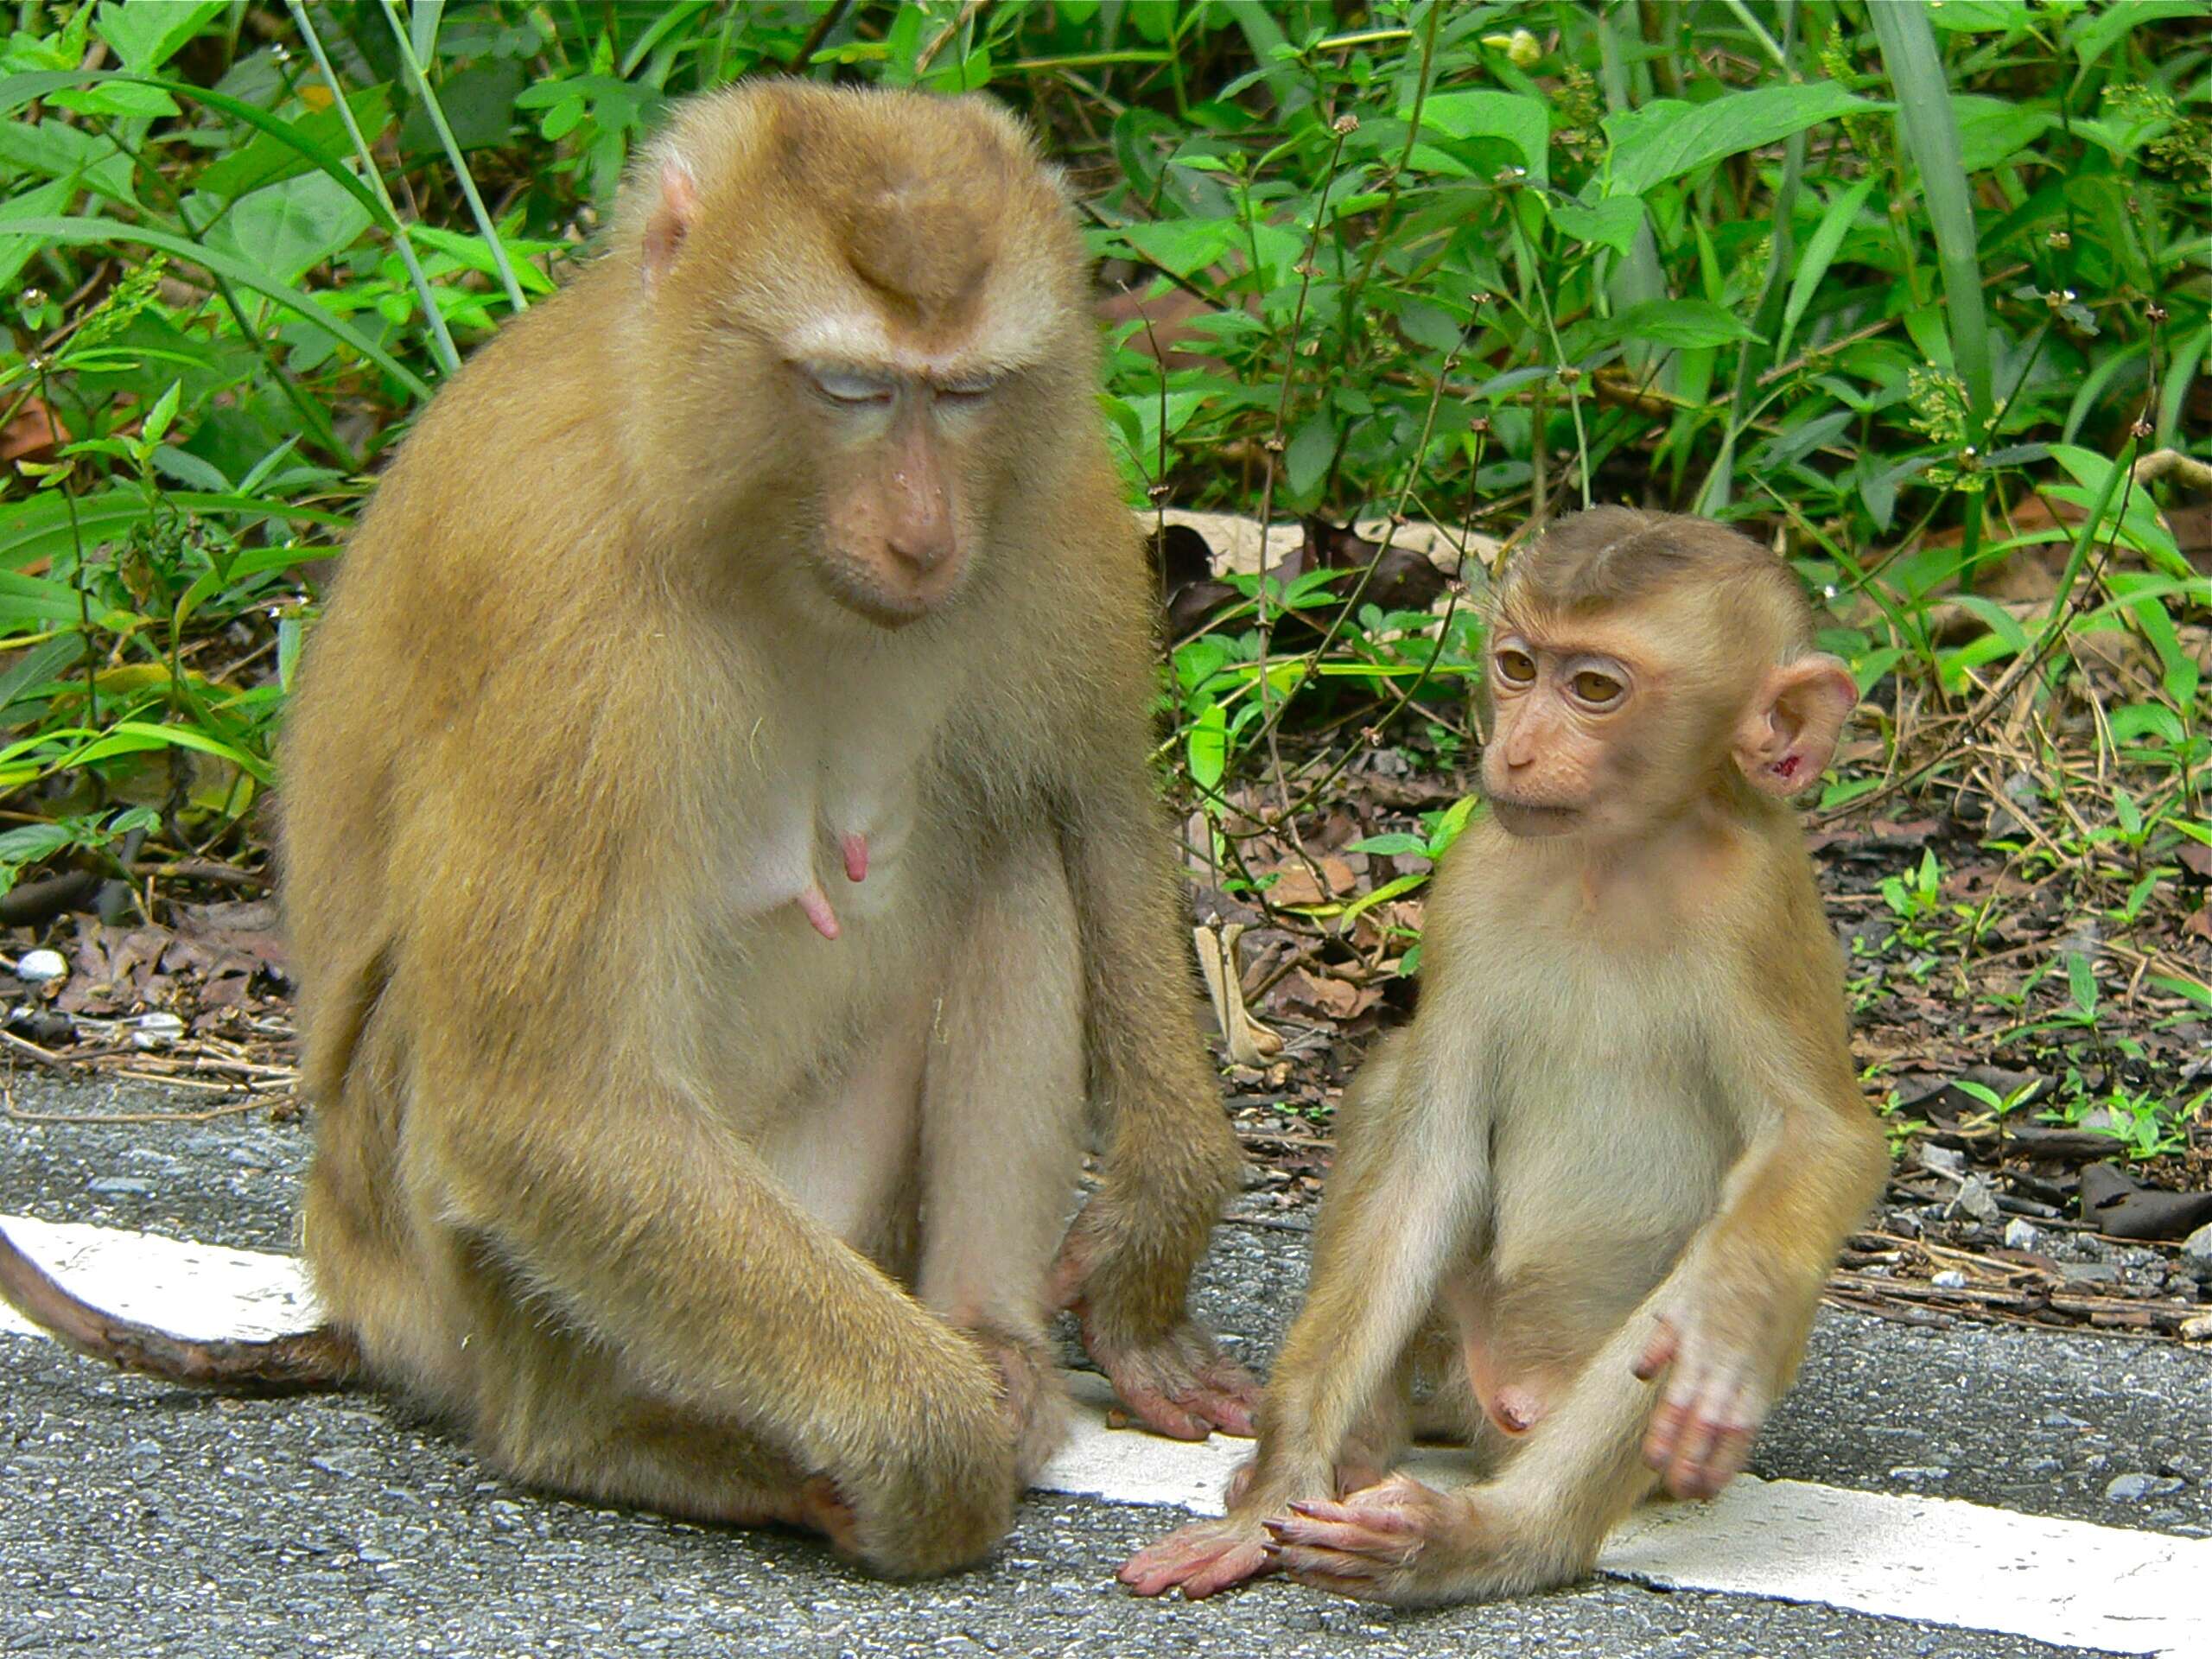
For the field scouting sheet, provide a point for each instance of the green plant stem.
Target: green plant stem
(441, 341)
(421, 82)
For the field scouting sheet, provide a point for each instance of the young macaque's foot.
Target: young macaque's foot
(1199, 1559)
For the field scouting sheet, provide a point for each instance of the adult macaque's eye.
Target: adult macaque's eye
(1515, 667)
(970, 388)
(1596, 690)
(851, 386)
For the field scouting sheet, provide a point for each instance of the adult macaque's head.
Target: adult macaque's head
(1639, 662)
(857, 320)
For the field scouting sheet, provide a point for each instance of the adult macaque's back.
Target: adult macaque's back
(722, 867)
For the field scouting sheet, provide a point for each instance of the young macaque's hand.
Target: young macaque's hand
(1200, 1559)
(1713, 1349)
(1178, 1382)
(1398, 1541)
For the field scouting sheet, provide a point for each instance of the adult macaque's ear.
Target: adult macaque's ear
(672, 218)
(1787, 739)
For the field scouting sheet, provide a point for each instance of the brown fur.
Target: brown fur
(1622, 1131)
(669, 1200)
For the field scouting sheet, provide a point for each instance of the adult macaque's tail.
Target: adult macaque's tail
(298, 1362)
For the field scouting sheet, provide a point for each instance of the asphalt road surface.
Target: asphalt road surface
(140, 1519)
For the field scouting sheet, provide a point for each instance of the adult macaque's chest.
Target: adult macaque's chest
(838, 863)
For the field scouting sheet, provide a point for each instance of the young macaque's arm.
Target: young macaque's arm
(1407, 1176)
(1729, 1335)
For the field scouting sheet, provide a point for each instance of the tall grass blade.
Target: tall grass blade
(478, 211)
(1929, 127)
(441, 339)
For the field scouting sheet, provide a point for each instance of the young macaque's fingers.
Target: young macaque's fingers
(1659, 1352)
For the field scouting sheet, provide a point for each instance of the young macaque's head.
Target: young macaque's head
(856, 324)
(1641, 663)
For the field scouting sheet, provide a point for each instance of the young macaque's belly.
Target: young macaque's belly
(1607, 1156)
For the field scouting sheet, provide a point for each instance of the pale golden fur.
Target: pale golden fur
(1622, 1128)
(620, 1164)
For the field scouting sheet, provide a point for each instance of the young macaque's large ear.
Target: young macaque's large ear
(1785, 742)
(672, 218)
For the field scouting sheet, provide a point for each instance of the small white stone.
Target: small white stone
(155, 1030)
(2196, 1248)
(2018, 1235)
(1944, 1161)
(1950, 1279)
(1976, 1199)
(41, 967)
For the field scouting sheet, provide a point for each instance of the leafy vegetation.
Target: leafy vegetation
(1917, 291)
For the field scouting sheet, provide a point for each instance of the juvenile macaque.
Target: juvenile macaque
(722, 866)
(1590, 1196)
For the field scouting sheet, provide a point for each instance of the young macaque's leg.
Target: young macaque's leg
(1002, 1127)
(1408, 1164)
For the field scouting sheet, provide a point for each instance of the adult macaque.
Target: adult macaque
(723, 871)
(1621, 1141)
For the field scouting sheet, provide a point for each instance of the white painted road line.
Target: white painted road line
(1932, 1561)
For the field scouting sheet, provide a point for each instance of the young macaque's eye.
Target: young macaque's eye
(849, 385)
(1596, 689)
(1515, 667)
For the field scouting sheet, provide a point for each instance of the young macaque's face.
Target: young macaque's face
(1580, 706)
(1611, 722)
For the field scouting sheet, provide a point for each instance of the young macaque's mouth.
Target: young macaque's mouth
(1526, 819)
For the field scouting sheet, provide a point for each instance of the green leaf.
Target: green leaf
(137, 737)
(2081, 983)
(145, 36)
(1612, 223)
(35, 667)
(1820, 253)
(289, 228)
(1396, 888)
(1668, 138)
(16, 251)
(1312, 447)
(1185, 246)
(1394, 844)
(1995, 129)
(1978, 16)
(163, 411)
(1520, 121)
(1207, 746)
(1676, 322)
